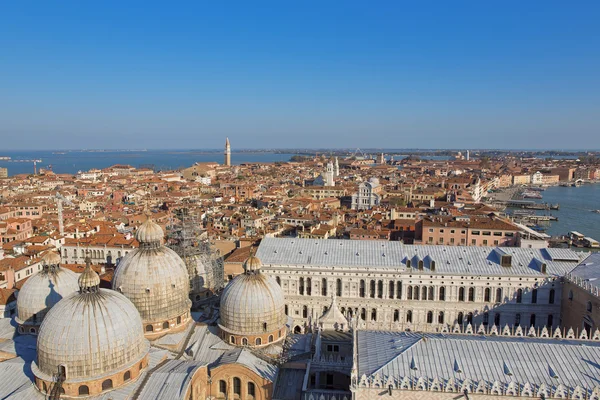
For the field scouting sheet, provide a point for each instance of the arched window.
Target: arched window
(409, 293)
(127, 376)
(432, 265)
(441, 317)
(232, 339)
(420, 264)
(149, 328)
(278, 280)
(223, 387)
(409, 316)
(408, 264)
(308, 286)
(62, 371)
(372, 289)
(244, 341)
(430, 297)
(391, 285)
(304, 312)
(551, 296)
(179, 320)
(286, 309)
(107, 384)
(486, 319)
(486, 294)
(374, 315)
(380, 289)
(297, 329)
(166, 325)
(532, 320)
(424, 293)
(237, 386)
(83, 389)
(519, 295)
(258, 341)
(396, 315)
(429, 317)
(301, 287)
(416, 293)
(362, 288)
(534, 296)
(471, 294)
(270, 338)
(497, 319)
(461, 294)
(251, 389)
(398, 290)
(459, 318)
(264, 326)
(338, 287)
(588, 306)
(442, 295)
(324, 287)
(470, 318)
(499, 295)
(517, 319)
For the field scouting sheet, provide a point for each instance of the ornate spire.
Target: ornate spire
(89, 281)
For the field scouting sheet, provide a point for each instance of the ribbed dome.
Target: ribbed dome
(156, 280)
(92, 334)
(252, 263)
(150, 233)
(51, 258)
(42, 291)
(251, 300)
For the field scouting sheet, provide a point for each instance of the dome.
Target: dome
(51, 258)
(250, 301)
(41, 292)
(150, 233)
(155, 279)
(90, 335)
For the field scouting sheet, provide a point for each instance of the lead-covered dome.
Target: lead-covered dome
(42, 291)
(252, 306)
(156, 280)
(93, 338)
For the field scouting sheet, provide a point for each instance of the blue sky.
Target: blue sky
(447, 74)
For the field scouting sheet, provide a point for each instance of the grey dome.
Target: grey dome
(150, 232)
(92, 334)
(154, 278)
(251, 300)
(42, 291)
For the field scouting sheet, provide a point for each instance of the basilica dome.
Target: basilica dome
(92, 340)
(252, 308)
(42, 291)
(156, 280)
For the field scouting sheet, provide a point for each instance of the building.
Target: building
(581, 294)
(329, 175)
(227, 153)
(368, 195)
(3, 172)
(466, 231)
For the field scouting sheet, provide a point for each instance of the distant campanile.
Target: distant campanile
(227, 153)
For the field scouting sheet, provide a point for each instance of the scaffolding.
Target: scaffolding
(186, 237)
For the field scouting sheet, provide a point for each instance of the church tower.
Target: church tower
(329, 175)
(227, 153)
(336, 171)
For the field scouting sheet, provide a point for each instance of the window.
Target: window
(424, 296)
(441, 317)
(264, 326)
(470, 318)
(459, 318)
(127, 376)
(550, 321)
(396, 315)
(410, 293)
(237, 386)
(107, 384)
(244, 342)
(409, 316)
(251, 389)
(165, 325)
(519, 295)
(416, 293)
(442, 295)
(232, 339)
(362, 288)
(380, 289)
(499, 295)
(301, 286)
(391, 285)
(461, 294)
(374, 315)
(399, 290)
(324, 287)
(308, 286)
(338, 287)
(497, 319)
(258, 341)
(278, 279)
(430, 297)
(551, 296)
(517, 319)
(223, 387)
(532, 320)
(486, 319)
(429, 317)
(534, 296)
(363, 314)
(372, 289)
(83, 389)
(149, 328)
(270, 338)
(486, 295)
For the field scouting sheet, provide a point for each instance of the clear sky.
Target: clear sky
(426, 74)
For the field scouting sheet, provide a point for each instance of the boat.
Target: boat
(596, 211)
(532, 195)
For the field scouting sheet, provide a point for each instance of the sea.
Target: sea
(71, 162)
(576, 209)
